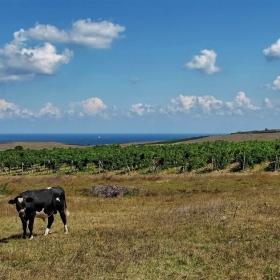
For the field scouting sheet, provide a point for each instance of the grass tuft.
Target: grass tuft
(4, 189)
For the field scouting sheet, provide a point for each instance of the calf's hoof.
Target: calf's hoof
(47, 231)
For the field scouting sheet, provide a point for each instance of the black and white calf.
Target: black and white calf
(42, 204)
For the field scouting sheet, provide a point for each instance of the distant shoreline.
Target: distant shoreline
(235, 137)
(92, 139)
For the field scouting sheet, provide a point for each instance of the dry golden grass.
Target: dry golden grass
(36, 145)
(239, 137)
(177, 227)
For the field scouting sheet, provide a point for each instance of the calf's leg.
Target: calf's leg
(30, 227)
(24, 226)
(50, 221)
(63, 218)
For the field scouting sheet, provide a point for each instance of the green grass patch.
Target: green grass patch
(5, 189)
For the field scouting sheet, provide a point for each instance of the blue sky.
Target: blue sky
(142, 66)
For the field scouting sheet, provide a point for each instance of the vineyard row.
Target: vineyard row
(207, 156)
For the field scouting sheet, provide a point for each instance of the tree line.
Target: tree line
(205, 157)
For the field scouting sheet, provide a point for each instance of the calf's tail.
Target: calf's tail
(66, 211)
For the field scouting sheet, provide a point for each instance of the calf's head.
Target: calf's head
(22, 205)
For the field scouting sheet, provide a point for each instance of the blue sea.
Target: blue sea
(94, 139)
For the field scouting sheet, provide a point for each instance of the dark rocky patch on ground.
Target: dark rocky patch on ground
(112, 190)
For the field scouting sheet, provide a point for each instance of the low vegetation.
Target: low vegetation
(176, 141)
(266, 130)
(177, 226)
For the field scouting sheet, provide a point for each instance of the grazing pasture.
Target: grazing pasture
(176, 226)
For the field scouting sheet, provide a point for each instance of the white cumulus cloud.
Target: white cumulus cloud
(93, 106)
(49, 110)
(273, 52)
(276, 83)
(20, 63)
(267, 103)
(41, 32)
(26, 113)
(209, 105)
(206, 103)
(94, 34)
(184, 103)
(204, 62)
(8, 109)
(141, 109)
(240, 103)
(138, 109)
(83, 32)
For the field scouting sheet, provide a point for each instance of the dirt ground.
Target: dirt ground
(226, 137)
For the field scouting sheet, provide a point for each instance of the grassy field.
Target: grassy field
(221, 226)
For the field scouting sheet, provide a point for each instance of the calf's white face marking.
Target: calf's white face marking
(20, 199)
(57, 199)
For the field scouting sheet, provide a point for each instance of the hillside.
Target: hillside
(239, 137)
(227, 137)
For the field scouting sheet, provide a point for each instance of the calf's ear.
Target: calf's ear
(12, 201)
(29, 199)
